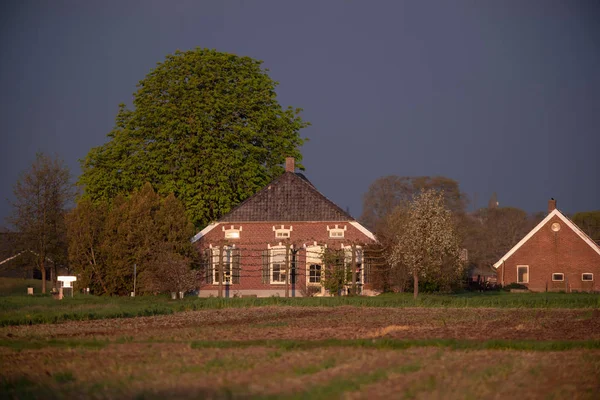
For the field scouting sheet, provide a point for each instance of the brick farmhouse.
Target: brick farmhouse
(555, 256)
(272, 244)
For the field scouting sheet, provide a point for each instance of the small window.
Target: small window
(558, 277)
(282, 232)
(336, 233)
(314, 274)
(232, 233)
(523, 274)
(587, 276)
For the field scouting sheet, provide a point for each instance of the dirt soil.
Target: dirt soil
(339, 322)
(153, 357)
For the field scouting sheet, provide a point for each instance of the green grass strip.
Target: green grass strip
(31, 310)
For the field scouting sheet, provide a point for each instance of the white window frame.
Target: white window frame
(314, 256)
(523, 266)
(558, 280)
(282, 232)
(277, 257)
(359, 261)
(227, 271)
(232, 233)
(587, 280)
(336, 232)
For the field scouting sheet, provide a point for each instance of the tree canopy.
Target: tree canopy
(205, 126)
(105, 241)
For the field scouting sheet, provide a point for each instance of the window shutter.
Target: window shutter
(208, 261)
(265, 266)
(235, 254)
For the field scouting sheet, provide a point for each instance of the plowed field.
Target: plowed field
(318, 352)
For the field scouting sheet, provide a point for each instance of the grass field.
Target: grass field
(285, 352)
(464, 346)
(28, 310)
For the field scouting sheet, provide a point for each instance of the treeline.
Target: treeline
(482, 236)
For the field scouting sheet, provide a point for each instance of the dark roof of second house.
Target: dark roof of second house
(290, 197)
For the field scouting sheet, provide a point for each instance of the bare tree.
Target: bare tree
(387, 193)
(428, 246)
(41, 196)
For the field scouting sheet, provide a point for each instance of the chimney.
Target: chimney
(551, 205)
(289, 164)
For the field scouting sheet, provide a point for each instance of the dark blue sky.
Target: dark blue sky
(500, 95)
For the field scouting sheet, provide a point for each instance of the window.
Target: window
(587, 276)
(232, 233)
(277, 265)
(282, 232)
(314, 264)
(314, 273)
(522, 273)
(230, 264)
(336, 232)
(558, 277)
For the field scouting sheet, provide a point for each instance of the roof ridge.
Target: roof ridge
(289, 180)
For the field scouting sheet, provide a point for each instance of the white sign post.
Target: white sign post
(66, 282)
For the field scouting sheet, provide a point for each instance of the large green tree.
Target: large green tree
(205, 126)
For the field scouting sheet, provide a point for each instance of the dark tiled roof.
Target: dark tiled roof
(290, 197)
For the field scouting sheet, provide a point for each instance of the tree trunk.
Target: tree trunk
(416, 284)
(43, 270)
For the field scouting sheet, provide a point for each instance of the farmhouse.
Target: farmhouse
(555, 256)
(273, 243)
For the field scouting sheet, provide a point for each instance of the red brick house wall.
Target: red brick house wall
(549, 251)
(256, 237)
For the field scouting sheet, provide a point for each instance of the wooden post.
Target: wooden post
(353, 270)
(287, 270)
(220, 274)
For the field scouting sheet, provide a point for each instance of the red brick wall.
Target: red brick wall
(256, 236)
(548, 252)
